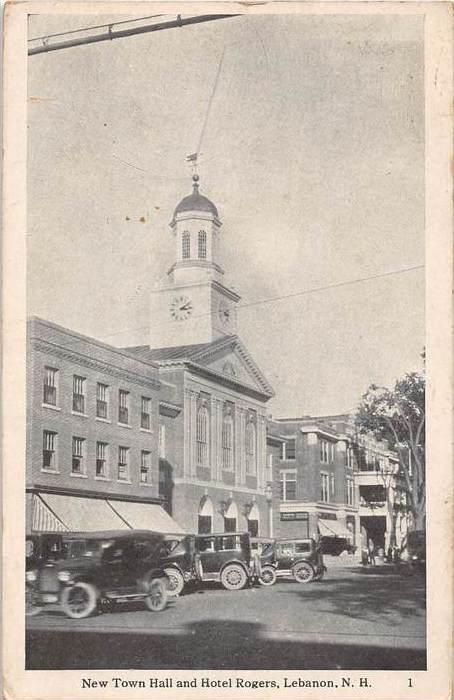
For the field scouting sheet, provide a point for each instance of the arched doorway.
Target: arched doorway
(205, 524)
(253, 521)
(231, 517)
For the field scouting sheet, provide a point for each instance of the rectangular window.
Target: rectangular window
(350, 492)
(288, 449)
(227, 444)
(49, 450)
(326, 452)
(78, 455)
(101, 459)
(78, 394)
(332, 487)
(324, 491)
(50, 386)
(145, 467)
(288, 485)
(102, 401)
(123, 463)
(123, 406)
(145, 416)
(162, 441)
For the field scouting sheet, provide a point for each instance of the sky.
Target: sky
(313, 153)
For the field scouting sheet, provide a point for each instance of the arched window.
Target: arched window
(227, 443)
(186, 245)
(251, 461)
(202, 245)
(202, 436)
(231, 517)
(253, 521)
(205, 525)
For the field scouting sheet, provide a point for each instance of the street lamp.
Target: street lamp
(269, 500)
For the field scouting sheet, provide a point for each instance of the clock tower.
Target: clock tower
(194, 306)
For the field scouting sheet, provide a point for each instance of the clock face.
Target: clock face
(181, 308)
(225, 313)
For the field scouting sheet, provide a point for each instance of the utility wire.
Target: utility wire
(301, 293)
(213, 92)
(97, 26)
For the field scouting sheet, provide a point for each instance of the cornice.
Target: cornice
(228, 382)
(169, 409)
(99, 365)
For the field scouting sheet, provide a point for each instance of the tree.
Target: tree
(398, 416)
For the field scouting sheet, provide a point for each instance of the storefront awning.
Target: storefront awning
(333, 528)
(145, 516)
(43, 519)
(83, 514)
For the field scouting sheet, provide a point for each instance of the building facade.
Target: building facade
(92, 438)
(313, 466)
(214, 467)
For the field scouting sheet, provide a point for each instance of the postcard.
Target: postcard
(227, 266)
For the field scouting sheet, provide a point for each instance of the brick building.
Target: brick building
(92, 438)
(312, 463)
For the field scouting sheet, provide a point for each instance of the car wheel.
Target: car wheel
(80, 600)
(156, 599)
(31, 598)
(303, 572)
(233, 577)
(176, 581)
(268, 576)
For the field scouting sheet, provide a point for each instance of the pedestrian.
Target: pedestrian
(371, 553)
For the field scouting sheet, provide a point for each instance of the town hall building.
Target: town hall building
(214, 472)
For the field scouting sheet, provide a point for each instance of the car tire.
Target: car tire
(176, 581)
(303, 572)
(157, 597)
(233, 577)
(80, 600)
(268, 576)
(31, 607)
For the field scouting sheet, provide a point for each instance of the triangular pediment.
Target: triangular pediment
(230, 358)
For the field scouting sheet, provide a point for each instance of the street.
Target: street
(356, 618)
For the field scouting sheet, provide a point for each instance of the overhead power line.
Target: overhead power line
(96, 26)
(109, 35)
(312, 290)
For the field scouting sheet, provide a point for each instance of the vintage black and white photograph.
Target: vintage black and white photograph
(225, 343)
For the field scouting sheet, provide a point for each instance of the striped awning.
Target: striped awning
(59, 513)
(43, 519)
(83, 514)
(146, 516)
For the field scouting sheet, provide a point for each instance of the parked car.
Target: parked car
(300, 558)
(227, 558)
(100, 568)
(416, 548)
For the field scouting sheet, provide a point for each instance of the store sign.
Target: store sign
(298, 515)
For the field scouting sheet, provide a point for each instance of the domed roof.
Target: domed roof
(195, 201)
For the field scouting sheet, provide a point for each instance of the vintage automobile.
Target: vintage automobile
(100, 569)
(416, 550)
(223, 557)
(300, 558)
